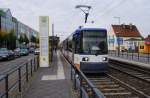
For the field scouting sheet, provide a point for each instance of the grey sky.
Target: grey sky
(66, 18)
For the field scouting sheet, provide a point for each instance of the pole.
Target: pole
(52, 36)
(52, 41)
(118, 40)
(85, 9)
(86, 17)
(148, 52)
(138, 51)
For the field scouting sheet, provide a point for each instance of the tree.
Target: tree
(33, 39)
(21, 39)
(37, 40)
(26, 40)
(3, 38)
(11, 40)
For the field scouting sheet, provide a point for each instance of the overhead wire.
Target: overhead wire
(114, 7)
(111, 8)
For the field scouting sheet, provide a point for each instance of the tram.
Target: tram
(87, 49)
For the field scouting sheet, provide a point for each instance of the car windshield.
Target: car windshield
(3, 52)
(23, 49)
(3, 49)
(94, 42)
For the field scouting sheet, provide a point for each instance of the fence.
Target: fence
(131, 55)
(15, 81)
(81, 82)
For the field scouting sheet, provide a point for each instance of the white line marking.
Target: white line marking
(60, 72)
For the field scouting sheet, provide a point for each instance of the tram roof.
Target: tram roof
(90, 29)
(82, 29)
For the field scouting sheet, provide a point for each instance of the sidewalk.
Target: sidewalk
(53, 82)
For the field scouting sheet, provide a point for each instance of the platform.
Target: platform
(53, 82)
(129, 61)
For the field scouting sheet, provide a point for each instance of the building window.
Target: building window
(141, 47)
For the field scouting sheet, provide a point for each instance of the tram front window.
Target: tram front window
(94, 42)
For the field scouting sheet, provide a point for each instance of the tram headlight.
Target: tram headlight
(104, 58)
(85, 59)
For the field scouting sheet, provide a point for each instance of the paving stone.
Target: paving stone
(61, 88)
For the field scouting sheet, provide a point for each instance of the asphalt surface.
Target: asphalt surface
(13, 84)
(6, 66)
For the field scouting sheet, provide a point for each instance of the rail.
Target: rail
(86, 88)
(137, 56)
(14, 81)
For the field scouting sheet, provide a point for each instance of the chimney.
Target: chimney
(123, 26)
(131, 26)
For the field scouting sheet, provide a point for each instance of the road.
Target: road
(5, 66)
(13, 78)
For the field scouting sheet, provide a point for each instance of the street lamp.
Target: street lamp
(118, 18)
(85, 9)
(118, 39)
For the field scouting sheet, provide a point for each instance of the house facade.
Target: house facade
(144, 46)
(124, 37)
(7, 21)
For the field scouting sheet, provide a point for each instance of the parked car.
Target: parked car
(11, 54)
(17, 52)
(31, 50)
(24, 52)
(3, 54)
(37, 51)
(6, 54)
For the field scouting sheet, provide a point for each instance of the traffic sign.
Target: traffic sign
(120, 40)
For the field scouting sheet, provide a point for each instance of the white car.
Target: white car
(37, 51)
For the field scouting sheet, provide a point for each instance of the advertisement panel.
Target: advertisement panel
(44, 40)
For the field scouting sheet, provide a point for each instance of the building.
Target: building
(9, 24)
(124, 37)
(144, 46)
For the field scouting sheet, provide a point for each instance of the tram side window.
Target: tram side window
(77, 44)
(66, 45)
(70, 45)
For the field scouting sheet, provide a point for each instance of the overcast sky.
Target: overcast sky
(66, 18)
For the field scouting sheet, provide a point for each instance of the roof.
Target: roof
(2, 13)
(126, 30)
(4, 9)
(89, 29)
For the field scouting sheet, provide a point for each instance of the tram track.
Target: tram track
(123, 82)
(136, 77)
(118, 84)
(112, 87)
(132, 71)
(141, 76)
